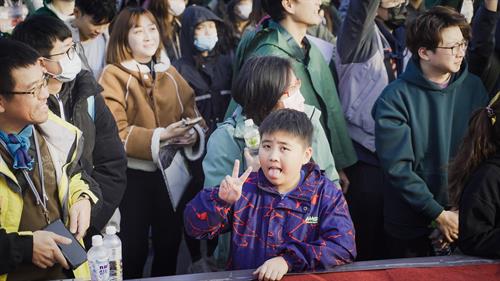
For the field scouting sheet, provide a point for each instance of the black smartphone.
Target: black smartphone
(74, 253)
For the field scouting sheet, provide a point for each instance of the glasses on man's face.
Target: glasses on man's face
(456, 48)
(70, 52)
(37, 89)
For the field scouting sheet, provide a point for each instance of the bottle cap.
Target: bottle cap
(96, 240)
(110, 230)
(249, 122)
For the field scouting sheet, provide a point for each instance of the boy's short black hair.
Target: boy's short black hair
(13, 55)
(290, 121)
(274, 9)
(425, 30)
(101, 11)
(41, 32)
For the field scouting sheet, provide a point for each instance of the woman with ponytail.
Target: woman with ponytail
(475, 183)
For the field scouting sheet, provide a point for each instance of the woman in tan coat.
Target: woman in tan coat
(148, 99)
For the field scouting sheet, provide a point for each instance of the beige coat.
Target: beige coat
(143, 107)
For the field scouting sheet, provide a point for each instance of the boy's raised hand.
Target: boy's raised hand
(231, 186)
(272, 270)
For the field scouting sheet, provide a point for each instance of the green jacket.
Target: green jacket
(418, 128)
(226, 144)
(318, 86)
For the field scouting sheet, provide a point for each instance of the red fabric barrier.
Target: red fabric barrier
(490, 272)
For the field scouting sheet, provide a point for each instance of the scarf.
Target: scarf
(18, 146)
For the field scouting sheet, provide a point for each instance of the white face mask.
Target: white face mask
(176, 8)
(244, 10)
(294, 101)
(69, 68)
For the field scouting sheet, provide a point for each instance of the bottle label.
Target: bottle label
(115, 271)
(115, 264)
(115, 254)
(99, 270)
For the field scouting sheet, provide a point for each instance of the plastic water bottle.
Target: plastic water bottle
(252, 137)
(98, 257)
(114, 245)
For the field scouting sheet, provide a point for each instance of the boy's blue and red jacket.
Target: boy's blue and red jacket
(310, 227)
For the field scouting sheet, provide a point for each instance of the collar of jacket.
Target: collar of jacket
(281, 39)
(162, 65)
(80, 88)
(58, 134)
(305, 191)
(414, 75)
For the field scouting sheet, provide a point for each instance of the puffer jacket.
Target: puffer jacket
(310, 227)
(16, 247)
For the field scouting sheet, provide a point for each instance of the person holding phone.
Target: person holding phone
(41, 180)
(148, 99)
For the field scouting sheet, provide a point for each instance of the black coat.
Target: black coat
(103, 156)
(210, 77)
(479, 217)
(483, 55)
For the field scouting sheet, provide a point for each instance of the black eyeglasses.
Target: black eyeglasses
(37, 89)
(455, 49)
(70, 52)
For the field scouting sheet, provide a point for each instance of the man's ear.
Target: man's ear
(423, 53)
(288, 6)
(77, 13)
(42, 63)
(307, 155)
(2, 104)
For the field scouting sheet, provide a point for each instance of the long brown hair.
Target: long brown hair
(160, 9)
(481, 141)
(118, 48)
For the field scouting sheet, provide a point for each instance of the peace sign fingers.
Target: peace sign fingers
(245, 175)
(231, 186)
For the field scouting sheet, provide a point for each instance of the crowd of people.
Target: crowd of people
(377, 120)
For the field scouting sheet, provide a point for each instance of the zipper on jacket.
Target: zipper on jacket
(153, 104)
(61, 107)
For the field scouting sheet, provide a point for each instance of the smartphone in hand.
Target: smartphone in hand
(191, 121)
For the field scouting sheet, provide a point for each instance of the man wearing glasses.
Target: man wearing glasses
(76, 97)
(420, 120)
(40, 180)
